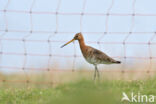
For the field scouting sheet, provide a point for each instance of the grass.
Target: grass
(79, 92)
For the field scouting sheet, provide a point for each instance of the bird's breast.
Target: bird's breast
(89, 56)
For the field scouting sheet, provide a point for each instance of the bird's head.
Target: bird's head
(77, 36)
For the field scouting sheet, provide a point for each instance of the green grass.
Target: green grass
(79, 92)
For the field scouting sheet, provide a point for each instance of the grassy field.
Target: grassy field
(82, 91)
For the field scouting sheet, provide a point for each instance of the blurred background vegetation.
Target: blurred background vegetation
(73, 87)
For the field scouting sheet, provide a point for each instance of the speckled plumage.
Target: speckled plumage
(95, 56)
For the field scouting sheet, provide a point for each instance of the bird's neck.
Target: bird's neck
(82, 44)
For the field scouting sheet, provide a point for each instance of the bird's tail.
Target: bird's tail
(117, 62)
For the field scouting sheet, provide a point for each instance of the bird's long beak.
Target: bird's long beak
(67, 43)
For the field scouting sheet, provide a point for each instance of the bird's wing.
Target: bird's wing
(101, 56)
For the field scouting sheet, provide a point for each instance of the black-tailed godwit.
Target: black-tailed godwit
(92, 55)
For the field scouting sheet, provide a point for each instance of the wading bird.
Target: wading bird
(92, 55)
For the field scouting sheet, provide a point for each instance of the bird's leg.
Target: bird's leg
(97, 71)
